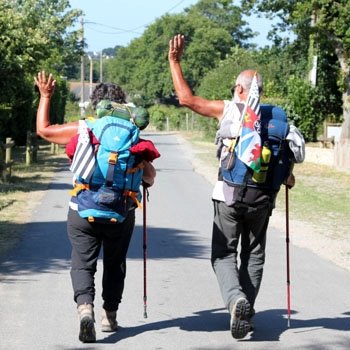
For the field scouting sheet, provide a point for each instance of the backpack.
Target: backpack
(274, 130)
(112, 189)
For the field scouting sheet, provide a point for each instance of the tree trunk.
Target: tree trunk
(342, 148)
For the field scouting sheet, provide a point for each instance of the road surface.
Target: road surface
(184, 306)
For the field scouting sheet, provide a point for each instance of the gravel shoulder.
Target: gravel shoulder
(302, 234)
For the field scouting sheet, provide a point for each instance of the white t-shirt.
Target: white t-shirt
(232, 115)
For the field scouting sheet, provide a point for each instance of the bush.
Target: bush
(165, 117)
(303, 107)
(158, 117)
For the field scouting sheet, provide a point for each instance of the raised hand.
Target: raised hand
(176, 48)
(45, 84)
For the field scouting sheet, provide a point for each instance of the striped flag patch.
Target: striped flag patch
(84, 162)
(249, 145)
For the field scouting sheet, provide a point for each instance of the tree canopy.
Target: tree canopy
(326, 23)
(37, 34)
(33, 36)
(211, 29)
(217, 50)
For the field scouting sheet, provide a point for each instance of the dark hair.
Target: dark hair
(107, 91)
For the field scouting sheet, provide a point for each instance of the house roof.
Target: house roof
(76, 87)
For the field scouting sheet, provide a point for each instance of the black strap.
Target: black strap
(112, 161)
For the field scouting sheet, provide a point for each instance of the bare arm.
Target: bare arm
(60, 134)
(198, 104)
(290, 181)
(149, 173)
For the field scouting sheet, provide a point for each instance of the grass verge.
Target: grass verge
(23, 192)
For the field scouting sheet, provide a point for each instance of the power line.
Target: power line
(121, 30)
(174, 7)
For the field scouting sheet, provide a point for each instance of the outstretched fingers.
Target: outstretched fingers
(41, 78)
(179, 39)
(45, 83)
(176, 47)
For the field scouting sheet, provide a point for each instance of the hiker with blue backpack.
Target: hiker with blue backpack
(257, 149)
(110, 162)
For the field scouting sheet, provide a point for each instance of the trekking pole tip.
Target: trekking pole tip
(288, 322)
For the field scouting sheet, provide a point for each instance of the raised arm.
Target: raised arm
(198, 104)
(60, 134)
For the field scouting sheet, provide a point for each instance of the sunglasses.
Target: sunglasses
(234, 88)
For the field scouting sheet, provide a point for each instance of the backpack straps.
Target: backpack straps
(112, 161)
(77, 188)
(133, 196)
(138, 167)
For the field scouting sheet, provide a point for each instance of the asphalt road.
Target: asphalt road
(184, 306)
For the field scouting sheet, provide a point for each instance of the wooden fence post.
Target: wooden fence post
(2, 159)
(7, 162)
(31, 148)
(54, 148)
(35, 147)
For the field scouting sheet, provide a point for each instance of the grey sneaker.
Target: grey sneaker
(87, 332)
(240, 326)
(109, 321)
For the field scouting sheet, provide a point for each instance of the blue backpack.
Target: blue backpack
(114, 186)
(274, 130)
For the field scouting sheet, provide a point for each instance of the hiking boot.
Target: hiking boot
(239, 318)
(87, 332)
(109, 321)
(250, 320)
(251, 325)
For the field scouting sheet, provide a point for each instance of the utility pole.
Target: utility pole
(91, 70)
(312, 55)
(101, 60)
(82, 72)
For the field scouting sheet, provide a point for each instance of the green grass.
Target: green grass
(321, 197)
(28, 178)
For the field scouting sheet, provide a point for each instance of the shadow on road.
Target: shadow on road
(44, 246)
(214, 320)
(271, 324)
(168, 243)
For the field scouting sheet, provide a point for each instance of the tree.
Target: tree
(211, 28)
(35, 31)
(33, 36)
(111, 51)
(330, 27)
(226, 16)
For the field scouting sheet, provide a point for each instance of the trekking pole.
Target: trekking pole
(145, 192)
(287, 255)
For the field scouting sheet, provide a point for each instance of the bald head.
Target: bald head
(243, 83)
(245, 78)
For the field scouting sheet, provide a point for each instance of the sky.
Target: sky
(108, 23)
